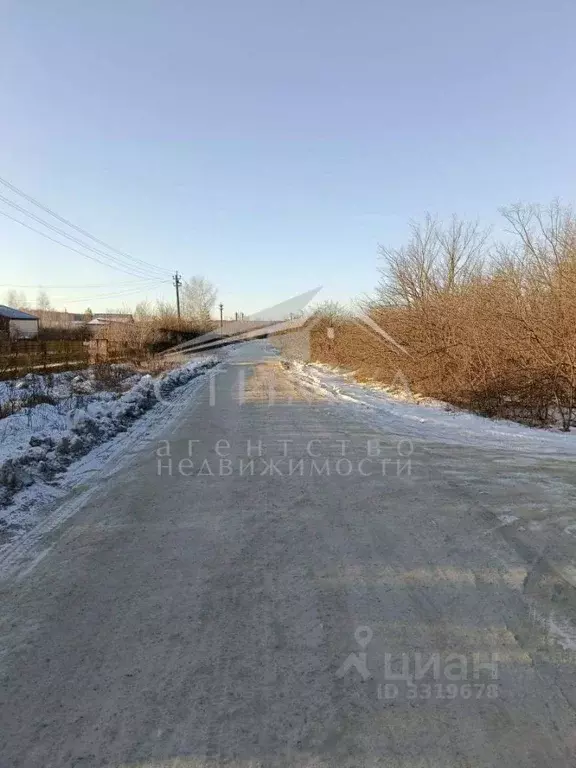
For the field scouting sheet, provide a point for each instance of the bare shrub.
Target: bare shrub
(129, 341)
(157, 365)
(493, 330)
(436, 260)
(38, 393)
(62, 333)
(150, 334)
(109, 376)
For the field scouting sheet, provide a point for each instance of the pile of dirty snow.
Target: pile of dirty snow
(49, 422)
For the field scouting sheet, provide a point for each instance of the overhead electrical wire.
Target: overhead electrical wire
(99, 297)
(127, 291)
(133, 261)
(65, 245)
(63, 233)
(67, 300)
(45, 286)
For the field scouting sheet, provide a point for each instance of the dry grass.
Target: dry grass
(149, 335)
(109, 376)
(157, 365)
(14, 405)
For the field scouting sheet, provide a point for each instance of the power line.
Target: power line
(141, 289)
(144, 264)
(92, 297)
(140, 273)
(64, 245)
(46, 286)
(101, 296)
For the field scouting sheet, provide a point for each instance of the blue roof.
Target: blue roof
(15, 314)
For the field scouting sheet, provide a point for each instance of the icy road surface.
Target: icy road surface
(287, 575)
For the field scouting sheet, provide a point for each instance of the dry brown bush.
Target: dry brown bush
(139, 340)
(109, 376)
(128, 341)
(492, 332)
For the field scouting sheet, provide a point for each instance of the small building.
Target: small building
(112, 317)
(108, 320)
(97, 322)
(15, 324)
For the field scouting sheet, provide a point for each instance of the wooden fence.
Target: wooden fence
(20, 357)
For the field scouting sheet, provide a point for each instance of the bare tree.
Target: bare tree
(406, 277)
(545, 307)
(548, 240)
(43, 301)
(436, 260)
(164, 310)
(330, 310)
(143, 310)
(462, 246)
(198, 299)
(16, 299)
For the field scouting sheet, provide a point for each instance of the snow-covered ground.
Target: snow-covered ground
(430, 420)
(50, 423)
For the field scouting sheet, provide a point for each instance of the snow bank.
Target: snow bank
(38, 443)
(431, 420)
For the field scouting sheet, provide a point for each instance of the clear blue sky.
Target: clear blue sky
(271, 145)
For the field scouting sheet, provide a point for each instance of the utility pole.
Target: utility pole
(221, 306)
(177, 281)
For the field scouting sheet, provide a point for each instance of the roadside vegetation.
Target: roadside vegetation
(487, 326)
(130, 336)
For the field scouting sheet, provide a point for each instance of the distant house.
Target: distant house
(107, 320)
(111, 317)
(97, 322)
(53, 318)
(15, 324)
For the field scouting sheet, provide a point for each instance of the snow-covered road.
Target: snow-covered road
(293, 570)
